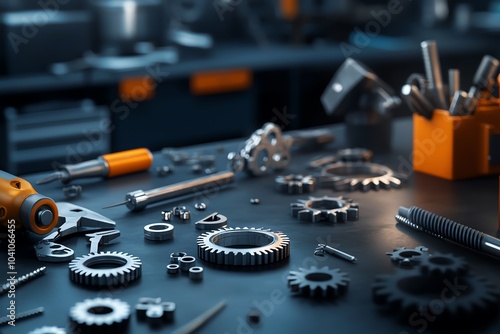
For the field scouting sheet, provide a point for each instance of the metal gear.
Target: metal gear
(408, 257)
(100, 315)
(359, 175)
(332, 209)
(48, 330)
(243, 246)
(105, 269)
(318, 282)
(448, 301)
(441, 266)
(295, 184)
(355, 155)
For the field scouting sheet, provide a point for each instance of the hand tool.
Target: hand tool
(433, 73)
(199, 321)
(97, 239)
(416, 101)
(74, 219)
(448, 229)
(481, 82)
(23, 279)
(108, 165)
(20, 202)
(139, 199)
(321, 249)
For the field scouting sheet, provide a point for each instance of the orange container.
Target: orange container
(458, 147)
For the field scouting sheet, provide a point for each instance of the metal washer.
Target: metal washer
(159, 231)
(100, 315)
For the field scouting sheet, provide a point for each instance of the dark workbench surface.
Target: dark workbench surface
(471, 202)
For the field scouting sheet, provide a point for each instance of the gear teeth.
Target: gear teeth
(441, 266)
(332, 209)
(261, 246)
(408, 257)
(295, 184)
(86, 320)
(318, 283)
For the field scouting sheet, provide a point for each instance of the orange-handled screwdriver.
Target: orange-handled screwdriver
(21, 205)
(108, 165)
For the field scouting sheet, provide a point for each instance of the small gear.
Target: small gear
(295, 184)
(48, 330)
(100, 315)
(448, 301)
(332, 209)
(359, 176)
(243, 246)
(105, 269)
(408, 257)
(318, 282)
(441, 266)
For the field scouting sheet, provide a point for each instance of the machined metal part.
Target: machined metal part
(185, 215)
(105, 269)
(433, 73)
(196, 273)
(22, 280)
(355, 155)
(322, 161)
(482, 82)
(254, 317)
(407, 257)
(100, 315)
(453, 81)
(174, 257)
(254, 201)
(322, 248)
(178, 209)
(458, 105)
(164, 170)
(200, 206)
(416, 101)
(364, 176)
(154, 311)
(159, 231)
(166, 215)
(199, 321)
(72, 191)
(243, 246)
(186, 158)
(212, 222)
(332, 209)
(295, 184)
(410, 293)
(48, 330)
(23, 315)
(318, 282)
(419, 80)
(443, 266)
(186, 263)
(210, 170)
(97, 239)
(173, 268)
(53, 252)
(265, 151)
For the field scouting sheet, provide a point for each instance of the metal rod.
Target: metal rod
(433, 73)
(200, 320)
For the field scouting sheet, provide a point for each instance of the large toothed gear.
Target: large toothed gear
(332, 209)
(441, 266)
(243, 246)
(105, 269)
(408, 257)
(343, 176)
(456, 300)
(100, 315)
(318, 282)
(48, 330)
(295, 184)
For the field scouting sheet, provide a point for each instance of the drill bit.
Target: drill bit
(448, 229)
(22, 315)
(23, 279)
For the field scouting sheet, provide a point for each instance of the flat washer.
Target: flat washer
(100, 315)
(196, 273)
(159, 231)
(173, 268)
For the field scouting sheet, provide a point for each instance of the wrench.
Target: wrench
(100, 238)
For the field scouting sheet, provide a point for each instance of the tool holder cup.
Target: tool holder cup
(458, 147)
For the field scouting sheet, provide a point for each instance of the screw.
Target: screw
(23, 315)
(23, 279)
(333, 251)
(200, 206)
(185, 215)
(167, 215)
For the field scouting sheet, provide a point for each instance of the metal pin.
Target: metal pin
(458, 104)
(433, 73)
(335, 252)
(453, 81)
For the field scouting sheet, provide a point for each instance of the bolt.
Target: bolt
(200, 206)
(23, 279)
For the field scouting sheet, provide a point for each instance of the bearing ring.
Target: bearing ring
(173, 268)
(196, 273)
(186, 263)
(159, 231)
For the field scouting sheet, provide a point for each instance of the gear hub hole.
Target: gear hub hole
(326, 204)
(318, 277)
(105, 262)
(100, 310)
(409, 254)
(242, 239)
(440, 260)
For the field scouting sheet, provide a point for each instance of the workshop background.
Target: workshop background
(84, 77)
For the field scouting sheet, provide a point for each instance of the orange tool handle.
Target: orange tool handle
(126, 162)
(21, 205)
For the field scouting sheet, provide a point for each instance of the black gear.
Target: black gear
(408, 257)
(440, 266)
(449, 301)
(332, 209)
(318, 282)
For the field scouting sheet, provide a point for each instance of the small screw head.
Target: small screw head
(254, 201)
(200, 206)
